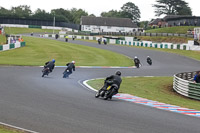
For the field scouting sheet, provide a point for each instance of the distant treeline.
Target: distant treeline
(128, 10)
(24, 11)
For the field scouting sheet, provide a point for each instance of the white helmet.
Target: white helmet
(135, 56)
(73, 62)
(147, 56)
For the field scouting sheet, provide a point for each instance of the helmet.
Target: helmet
(53, 60)
(73, 62)
(135, 56)
(118, 73)
(147, 56)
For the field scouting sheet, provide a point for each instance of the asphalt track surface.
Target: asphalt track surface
(56, 105)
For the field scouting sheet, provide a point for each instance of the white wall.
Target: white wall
(6, 47)
(96, 29)
(17, 45)
(14, 25)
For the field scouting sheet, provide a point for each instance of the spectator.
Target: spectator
(197, 77)
(174, 24)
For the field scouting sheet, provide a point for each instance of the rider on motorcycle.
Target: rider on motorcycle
(50, 65)
(68, 70)
(149, 61)
(136, 61)
(113, 79)
(99, 41)
(104, 41)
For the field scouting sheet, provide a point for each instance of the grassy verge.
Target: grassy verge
(165, 39)
(38, 50)
(4, 129)
(153, 88)
(176, 29)
(27, 30)
(93, 41)
(2, 39)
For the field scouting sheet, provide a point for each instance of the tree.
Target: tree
(22, 11)
(143, 24)
(112, 13)
(62, 14)
(92, 15)
(77, 14)
(41, 14)
(172, 7)
(184, 10)
(130, 10)
(4, 12)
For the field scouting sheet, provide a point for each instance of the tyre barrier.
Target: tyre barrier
(184, 85)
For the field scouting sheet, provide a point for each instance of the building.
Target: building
(104, 24)
(182, 20)
(175, 20)
(159, 22)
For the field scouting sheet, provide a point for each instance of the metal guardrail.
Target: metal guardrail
(142, 34)
(184, 85)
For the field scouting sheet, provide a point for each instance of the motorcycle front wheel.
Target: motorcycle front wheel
(97, 94)
(109, 94)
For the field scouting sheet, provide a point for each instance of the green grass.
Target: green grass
(39, 50)
(160, 39)
(176, 29)
(152, 88)
(2, 39)
(8, 130)
(27, 30)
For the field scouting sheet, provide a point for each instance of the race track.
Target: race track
(57, 105)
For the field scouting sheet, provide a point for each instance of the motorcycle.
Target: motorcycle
(149, 62)
(138, 65)
(99, 41)
(56, 36)
(108, 92)
(104, 42)
(45, 71)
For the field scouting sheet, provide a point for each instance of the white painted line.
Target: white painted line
(89, 87)
(18, 128)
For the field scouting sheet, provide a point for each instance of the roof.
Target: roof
(177, 17)
(108, 21)
(155, 21)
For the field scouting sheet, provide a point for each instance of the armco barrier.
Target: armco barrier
(183, 85)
